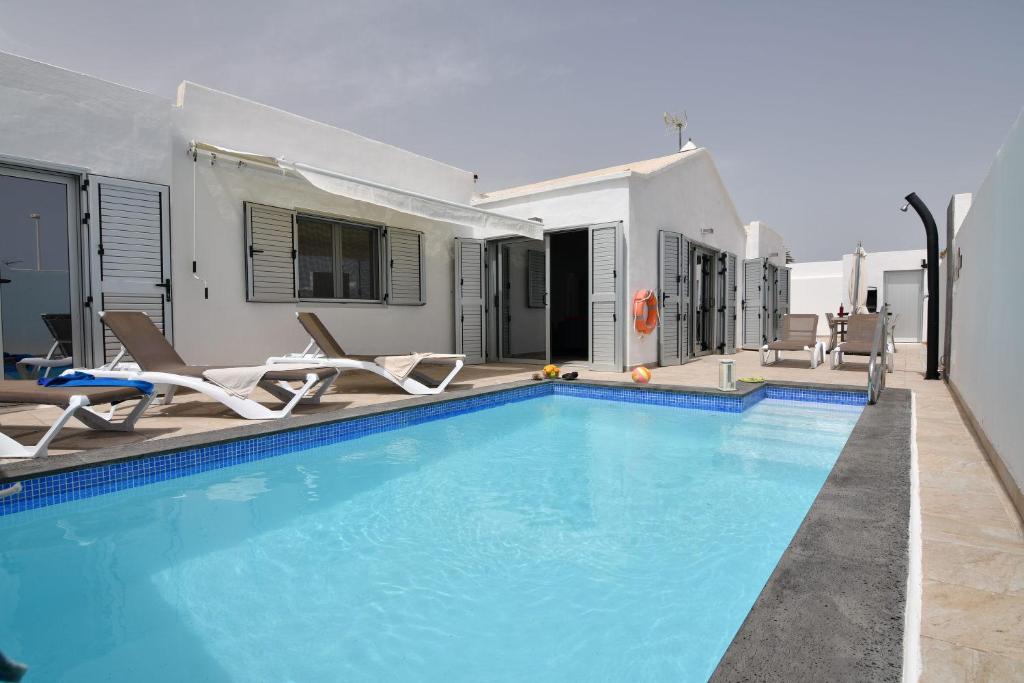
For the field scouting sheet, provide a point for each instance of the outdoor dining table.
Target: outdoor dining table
(837, 330)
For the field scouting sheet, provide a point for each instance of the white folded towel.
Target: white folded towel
(402, 366)
(241, 381)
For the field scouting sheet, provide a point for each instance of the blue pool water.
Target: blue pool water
(552, 539)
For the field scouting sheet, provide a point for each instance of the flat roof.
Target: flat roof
(644, 166)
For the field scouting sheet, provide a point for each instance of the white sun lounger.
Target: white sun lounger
(157, 362)
(75, 401)
(324, 350)
(798, 332)
(59, 355)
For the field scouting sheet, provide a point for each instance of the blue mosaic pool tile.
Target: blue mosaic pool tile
(657, 397)
(847, 398)
(86, 483)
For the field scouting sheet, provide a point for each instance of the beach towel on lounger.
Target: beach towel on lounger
(84, 379)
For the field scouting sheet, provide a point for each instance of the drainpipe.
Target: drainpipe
(932, 233)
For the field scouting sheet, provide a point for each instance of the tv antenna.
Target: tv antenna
(677, 121)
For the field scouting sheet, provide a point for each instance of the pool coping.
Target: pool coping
(56, 464)
(834, 606)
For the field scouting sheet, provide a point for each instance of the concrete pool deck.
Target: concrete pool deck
(972, 539)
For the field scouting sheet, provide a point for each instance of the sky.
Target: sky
(821, 116)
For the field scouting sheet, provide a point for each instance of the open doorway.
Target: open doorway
(520, 320)
(568, 285)
(38, 271)
(703, 299)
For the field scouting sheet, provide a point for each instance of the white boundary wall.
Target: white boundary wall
(816, 287)
(986, 362)
(820, 286)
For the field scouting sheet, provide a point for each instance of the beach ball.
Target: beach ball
(551, 371)
(641, 375)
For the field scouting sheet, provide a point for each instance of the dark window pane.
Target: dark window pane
(359, 263)
(316, 258)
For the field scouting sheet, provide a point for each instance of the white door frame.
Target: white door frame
(77, 274)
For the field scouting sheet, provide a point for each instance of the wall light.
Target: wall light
(707, 231)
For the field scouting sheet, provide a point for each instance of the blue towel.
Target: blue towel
(84, 379)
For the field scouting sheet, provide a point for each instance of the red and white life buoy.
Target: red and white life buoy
(645, 311)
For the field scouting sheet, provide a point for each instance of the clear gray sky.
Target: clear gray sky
(821, 115)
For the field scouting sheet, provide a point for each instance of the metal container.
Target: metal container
(727, 375)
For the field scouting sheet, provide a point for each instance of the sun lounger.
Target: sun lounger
(75, 400)
(799, 332)
(324, 349)
(860, 337)
(59, 355)
(159, 363)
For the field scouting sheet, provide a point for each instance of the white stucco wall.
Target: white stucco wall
(878, 262)
(58, 119)
(213, 116)
(986, 296)
(762, 242)
(816, 287)
(53, 117)
(686, 197)
(257, 330)
(820, 286)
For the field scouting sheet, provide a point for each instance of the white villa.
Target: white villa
(221, 217)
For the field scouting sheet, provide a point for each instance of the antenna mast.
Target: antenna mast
(678, 122)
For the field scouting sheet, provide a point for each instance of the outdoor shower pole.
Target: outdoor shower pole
(932, 366)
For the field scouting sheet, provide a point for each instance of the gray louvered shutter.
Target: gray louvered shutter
(771, 306)
(405, 268)
(753, 303)
(605, 267)
(469, 299)
(783, 291)
(730, 304)
(506, 302)
(670, 284)
(129, 232)
(535, 278)
(685, 344)
(270, 253)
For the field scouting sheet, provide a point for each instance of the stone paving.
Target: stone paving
(972, 538)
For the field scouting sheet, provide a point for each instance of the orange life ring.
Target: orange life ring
(645, 311)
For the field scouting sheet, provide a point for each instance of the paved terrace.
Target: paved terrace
(973, 541)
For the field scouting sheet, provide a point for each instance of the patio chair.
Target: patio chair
(860, 337)
(75, 400)
(324, 350)
(59, 355)
(157, 362)
(799, 332)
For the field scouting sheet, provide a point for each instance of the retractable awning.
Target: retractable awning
(393, 198)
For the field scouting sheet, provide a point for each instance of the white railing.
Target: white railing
(878, 363)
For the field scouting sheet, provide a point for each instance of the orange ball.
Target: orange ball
(641, 375)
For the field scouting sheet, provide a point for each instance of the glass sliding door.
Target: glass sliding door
(40, 259)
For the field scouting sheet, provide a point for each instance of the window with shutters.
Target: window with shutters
(338, 260)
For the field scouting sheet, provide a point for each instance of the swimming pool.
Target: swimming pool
(556, 538)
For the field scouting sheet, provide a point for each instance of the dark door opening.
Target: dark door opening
(569, 299)
(703, 300)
